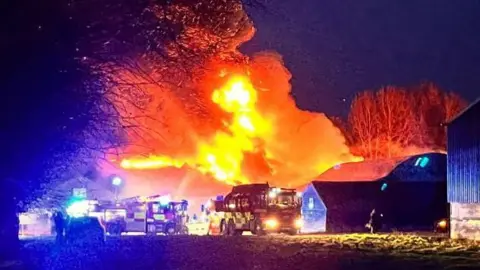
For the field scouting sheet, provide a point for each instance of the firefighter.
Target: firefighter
(375, 221)
(9, 228)
(59, 221)
(213, 224)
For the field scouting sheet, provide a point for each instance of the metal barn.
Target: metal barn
(414, 194)
(463, 173)
(338, 187)
(338, 206)
(410, 191)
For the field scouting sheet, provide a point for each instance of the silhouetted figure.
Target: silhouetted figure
(59, 226)
(9, 223)
(375, 221)
(9, 234)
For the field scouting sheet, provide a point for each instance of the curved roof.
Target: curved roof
(361, 171)
(404, 168)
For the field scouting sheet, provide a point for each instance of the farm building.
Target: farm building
(463, 180)
(409, 191)
(338, 206)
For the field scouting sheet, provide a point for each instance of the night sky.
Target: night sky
(337, 48)
(333, 49)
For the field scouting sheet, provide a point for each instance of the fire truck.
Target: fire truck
(151, 215)
(257, 208)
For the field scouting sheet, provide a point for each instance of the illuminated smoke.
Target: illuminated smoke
(237, 123)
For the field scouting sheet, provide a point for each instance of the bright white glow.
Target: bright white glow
(271, 223)
(164, 199)
(299, 194)
(208, 204)
(26, 218)
(78, 209)
(116, 181)
(95, 214)
(272, 194)
(299, 223)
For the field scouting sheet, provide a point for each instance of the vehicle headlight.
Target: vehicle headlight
(271, 223)
(442, 223)
(298, 223)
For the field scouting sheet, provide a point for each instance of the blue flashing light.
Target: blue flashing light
(384, 187)
(117, 181)
(78, 208)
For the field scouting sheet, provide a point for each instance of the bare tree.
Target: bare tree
(364, 122)
(179, 41)
(386, 122)
(397, 120)
(434, 108)
(453, 105)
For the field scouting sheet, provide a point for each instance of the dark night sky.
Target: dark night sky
(337, 48)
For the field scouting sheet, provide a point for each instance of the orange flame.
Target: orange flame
(265, 138)
(223, 155)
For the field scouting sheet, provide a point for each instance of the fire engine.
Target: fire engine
(257, 208)
(151, 215)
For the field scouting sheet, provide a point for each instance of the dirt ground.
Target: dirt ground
(250, 252)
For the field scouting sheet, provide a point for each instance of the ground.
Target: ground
(351, 251)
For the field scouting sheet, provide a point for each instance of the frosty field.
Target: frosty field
(349, 251)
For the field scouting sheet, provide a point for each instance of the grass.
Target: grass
(348, 251)
(407, 246)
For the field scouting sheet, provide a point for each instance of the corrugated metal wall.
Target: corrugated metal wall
(463, 160)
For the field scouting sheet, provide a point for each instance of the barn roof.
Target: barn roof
(335, 193)
(361, 171)
(473, 104)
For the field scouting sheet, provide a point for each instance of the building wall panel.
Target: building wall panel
(463, 169)
(314, 212)
(465, 221)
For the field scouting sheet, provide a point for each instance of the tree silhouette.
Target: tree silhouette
(395, 121)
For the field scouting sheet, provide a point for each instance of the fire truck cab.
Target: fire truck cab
(260, 209)
(151, 215)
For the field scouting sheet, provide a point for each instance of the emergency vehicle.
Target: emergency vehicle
(257, 208)
(154, 214)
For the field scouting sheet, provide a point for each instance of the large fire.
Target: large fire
(262, 140)
(233, 120)
(223, 156)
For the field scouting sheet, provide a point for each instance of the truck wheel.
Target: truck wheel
(183, 230)
(170, 229)
(113, 230)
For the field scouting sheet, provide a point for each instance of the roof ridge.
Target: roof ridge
(475, 102)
